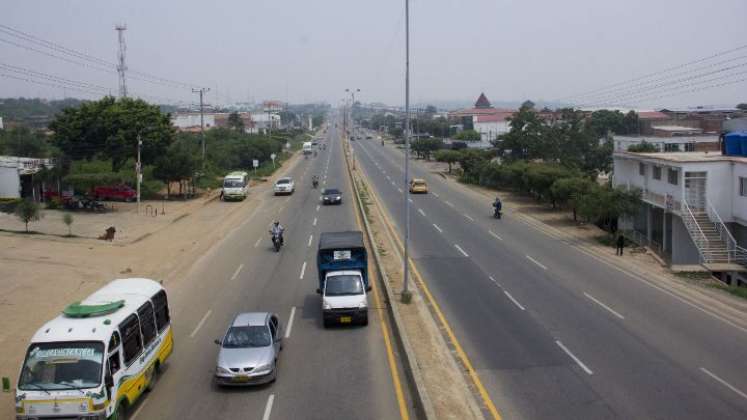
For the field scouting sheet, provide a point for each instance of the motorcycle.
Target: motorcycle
(277, 241)
(314, 183)
(496, 212)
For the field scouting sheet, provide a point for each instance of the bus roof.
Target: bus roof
(236, 174)
(133, 292)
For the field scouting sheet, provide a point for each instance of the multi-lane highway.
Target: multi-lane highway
(552, 331)
(340, 373)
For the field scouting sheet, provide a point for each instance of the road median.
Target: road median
(438, 383)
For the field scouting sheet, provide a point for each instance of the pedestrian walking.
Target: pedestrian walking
(620, 245)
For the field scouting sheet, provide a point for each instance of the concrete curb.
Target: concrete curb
(421, 401)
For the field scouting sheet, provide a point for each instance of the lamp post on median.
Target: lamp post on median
(406, 294)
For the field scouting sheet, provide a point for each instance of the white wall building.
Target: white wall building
(192, 119)
(16, 173)
(695, 207)
(491, 125)
(668, 144)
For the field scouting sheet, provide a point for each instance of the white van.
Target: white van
(235, 186)
(95, 359)
(307, 147)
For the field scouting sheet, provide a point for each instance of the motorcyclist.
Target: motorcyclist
(277, 229)
(497, 205)
(315, 181)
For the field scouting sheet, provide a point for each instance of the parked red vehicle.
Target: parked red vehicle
(115, 192)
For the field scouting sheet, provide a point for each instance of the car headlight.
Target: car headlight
(222, 371)
(362, 305)
(263, 368)
(326, 306)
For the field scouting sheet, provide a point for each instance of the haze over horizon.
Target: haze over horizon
(307, 52)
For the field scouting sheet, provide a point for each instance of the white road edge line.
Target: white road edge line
(400, 190)
(438, 228)
(468, 217)
(448, 203)
(604, 306)
(575, 359)
(422, 213)
(268, 407)
(256, 244)
(516, 302)
(311, 237)
(199, 324)
(536, 262)
(410, 200)
(494, 281)
(314, 224)
(493, 234)
(290, 322)
(723, 382)
(436, 195)
(303, 270)
(236, 273)
(461, 250)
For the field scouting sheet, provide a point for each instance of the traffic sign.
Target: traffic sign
(255, 163)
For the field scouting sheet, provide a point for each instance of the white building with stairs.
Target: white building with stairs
(695, 208)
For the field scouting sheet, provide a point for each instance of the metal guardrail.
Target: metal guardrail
(700, 239)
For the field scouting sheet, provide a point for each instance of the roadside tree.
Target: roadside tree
(108, 128)
(28, 211)
(235, 122)
(566, 191)
(468, 135)
(448, 156)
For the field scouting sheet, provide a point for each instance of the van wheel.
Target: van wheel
(364, 322)
(326, 323)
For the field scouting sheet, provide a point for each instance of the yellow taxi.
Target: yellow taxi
(418, 185)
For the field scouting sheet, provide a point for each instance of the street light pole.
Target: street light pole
(405, 290)
(202, 92)
(138, 170)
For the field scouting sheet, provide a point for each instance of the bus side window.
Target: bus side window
(114, 363)
(162, 309)
(147, 322)
(132, 341)
(114, 341)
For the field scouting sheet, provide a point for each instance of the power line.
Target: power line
(52, 78)
(98, 63)
(667, 80)
(649, 89)
(55, 85)
(656, 73)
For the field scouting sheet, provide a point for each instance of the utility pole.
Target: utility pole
(202, 92)
(406, 295)
(121, 66)
(138, 171)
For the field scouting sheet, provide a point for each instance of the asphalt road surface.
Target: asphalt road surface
(336, 373)
(554, 332)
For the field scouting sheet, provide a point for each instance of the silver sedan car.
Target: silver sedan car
(249, 350)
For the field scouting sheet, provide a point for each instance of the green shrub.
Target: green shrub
(54, 203)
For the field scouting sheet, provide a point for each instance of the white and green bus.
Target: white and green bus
(97, 358)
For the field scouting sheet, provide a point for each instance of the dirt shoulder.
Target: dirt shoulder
(41, 273)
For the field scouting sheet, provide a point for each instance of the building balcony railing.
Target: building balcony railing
(665, 201)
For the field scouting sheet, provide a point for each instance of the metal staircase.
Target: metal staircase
(715, 243)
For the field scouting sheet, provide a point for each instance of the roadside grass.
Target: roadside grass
(611, 240)
(733, 290)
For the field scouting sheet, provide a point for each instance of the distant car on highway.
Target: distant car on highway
(331, 196)
(249, 350)
(284, 185)
(115, 192)
(418, 185)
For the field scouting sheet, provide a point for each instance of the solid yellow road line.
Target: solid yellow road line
(460, 351)
(403, 413)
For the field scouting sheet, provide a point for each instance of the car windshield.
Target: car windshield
(250, 336)
(331, 191)
(233, 183)
(344, 286)
(283, 181)
(60, 366)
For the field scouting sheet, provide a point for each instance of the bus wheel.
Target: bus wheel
(154, 376)
(121, 412)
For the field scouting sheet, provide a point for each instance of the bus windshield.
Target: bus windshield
(233, 183)
(61, 366)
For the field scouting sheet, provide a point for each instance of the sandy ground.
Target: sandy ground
(41, 273)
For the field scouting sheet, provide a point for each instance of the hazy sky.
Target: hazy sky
(301, 50)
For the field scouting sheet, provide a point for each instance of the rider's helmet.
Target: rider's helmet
(276, 222)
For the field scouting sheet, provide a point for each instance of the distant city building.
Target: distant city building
(483, 118)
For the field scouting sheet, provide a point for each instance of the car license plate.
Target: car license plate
(346, 319)
(241, 378)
